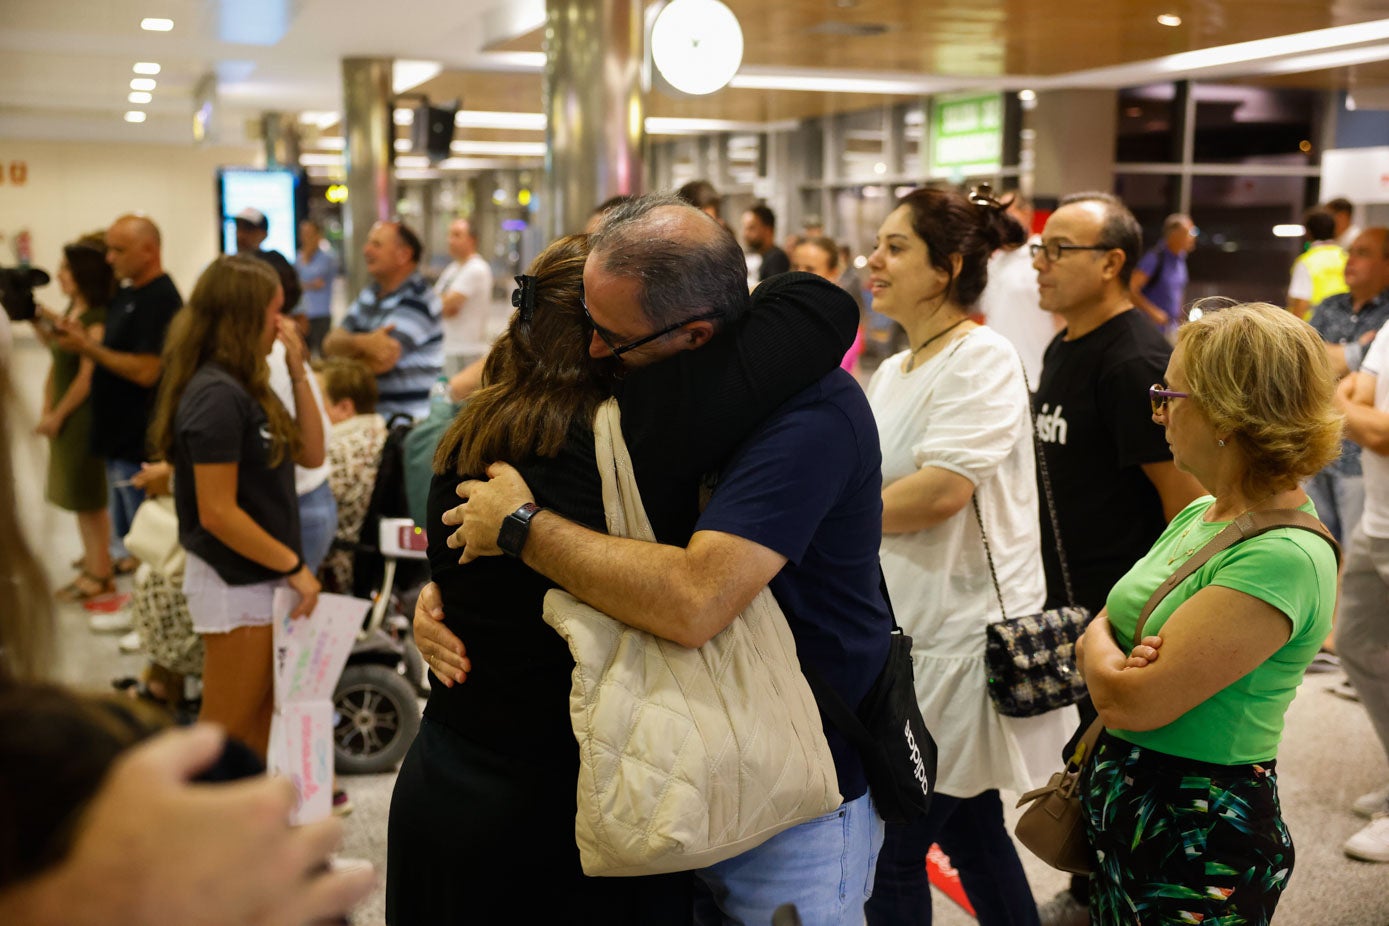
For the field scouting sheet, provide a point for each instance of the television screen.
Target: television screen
(275, 192)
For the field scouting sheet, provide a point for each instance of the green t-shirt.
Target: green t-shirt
(1292, 569)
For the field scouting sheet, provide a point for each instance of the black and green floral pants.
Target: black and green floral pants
(1178, 841)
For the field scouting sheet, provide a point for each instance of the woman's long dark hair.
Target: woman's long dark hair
(539, 378)
(91, 274)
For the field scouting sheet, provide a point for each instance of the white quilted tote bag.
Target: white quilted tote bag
(687, 756)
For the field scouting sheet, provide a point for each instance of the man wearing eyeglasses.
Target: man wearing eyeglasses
(1113, 482)
(798, 507)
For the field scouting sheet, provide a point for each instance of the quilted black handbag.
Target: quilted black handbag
(1032, 659)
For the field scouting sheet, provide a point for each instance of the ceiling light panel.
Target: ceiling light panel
(148, 68)
(152, 24)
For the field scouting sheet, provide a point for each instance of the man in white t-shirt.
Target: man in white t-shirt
(1362, 632)
(465, 289)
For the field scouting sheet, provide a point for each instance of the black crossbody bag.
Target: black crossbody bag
(887, 730)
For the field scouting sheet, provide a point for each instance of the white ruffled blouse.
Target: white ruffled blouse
(966, 410)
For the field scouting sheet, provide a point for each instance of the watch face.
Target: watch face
(697, 45)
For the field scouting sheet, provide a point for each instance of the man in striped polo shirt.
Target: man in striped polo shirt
(395, 324)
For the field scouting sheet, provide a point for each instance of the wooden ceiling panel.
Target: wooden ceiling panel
(984, 38)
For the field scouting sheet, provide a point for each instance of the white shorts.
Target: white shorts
(217, 607)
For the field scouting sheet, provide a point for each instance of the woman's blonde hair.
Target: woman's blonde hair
(1261, 374)
(222, 324)
(539, 379)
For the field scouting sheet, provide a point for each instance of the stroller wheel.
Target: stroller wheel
(378, 715)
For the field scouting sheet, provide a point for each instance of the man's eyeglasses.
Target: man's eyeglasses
(618, 348)
(1055, 249)
(1158, 397)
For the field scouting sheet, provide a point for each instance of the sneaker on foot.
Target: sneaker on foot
(1372, 843)
(1064, 910)
(1367, 805)
(110, 622)
(342, 804)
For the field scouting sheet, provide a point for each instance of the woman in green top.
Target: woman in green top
(76, 478)
(1181, 799)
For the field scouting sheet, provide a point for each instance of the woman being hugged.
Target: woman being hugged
(233, 446)
(956, 435)
(76, 478)
(1181, 798)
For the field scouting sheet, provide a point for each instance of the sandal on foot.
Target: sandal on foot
(86, 587)
(125, 565)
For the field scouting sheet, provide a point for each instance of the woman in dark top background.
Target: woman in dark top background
(485, 800)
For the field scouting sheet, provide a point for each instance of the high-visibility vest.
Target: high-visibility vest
(1327, 264)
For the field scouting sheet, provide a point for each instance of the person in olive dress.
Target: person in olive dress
(76, 478)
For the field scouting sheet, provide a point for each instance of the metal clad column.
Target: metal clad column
(594, 105)
(280, 132)
(369, 153)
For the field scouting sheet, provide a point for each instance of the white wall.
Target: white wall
(76, 187)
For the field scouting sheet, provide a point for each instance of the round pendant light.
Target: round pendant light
(696, 45)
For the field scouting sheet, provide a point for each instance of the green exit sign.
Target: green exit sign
(966, 133)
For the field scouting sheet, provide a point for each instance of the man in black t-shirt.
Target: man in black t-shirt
(127, 365)
(1113, 481)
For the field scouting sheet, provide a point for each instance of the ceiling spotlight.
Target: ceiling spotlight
(139, 97)
(1289, 231)
(146, 67)
(134, 116)
(1027, 96)
(151, 24)
(1169, 19)
(142, 83)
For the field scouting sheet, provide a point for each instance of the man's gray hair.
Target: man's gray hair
(685, 265)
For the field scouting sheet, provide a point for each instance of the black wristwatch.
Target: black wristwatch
(516, 528)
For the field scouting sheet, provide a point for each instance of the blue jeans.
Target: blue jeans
(970, 830)
(1340, 500)
(122, 500)
(318, 522)
(824, 867)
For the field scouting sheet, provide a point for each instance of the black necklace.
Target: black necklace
(911, 361)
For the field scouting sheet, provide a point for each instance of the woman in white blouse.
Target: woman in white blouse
(956, 431)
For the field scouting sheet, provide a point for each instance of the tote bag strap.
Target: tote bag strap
(622, 505)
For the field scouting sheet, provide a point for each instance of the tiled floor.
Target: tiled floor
(1329, 753)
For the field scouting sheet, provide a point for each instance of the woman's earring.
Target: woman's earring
(1220, 442)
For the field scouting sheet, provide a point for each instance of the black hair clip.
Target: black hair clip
(983, 195)
(523, 297)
